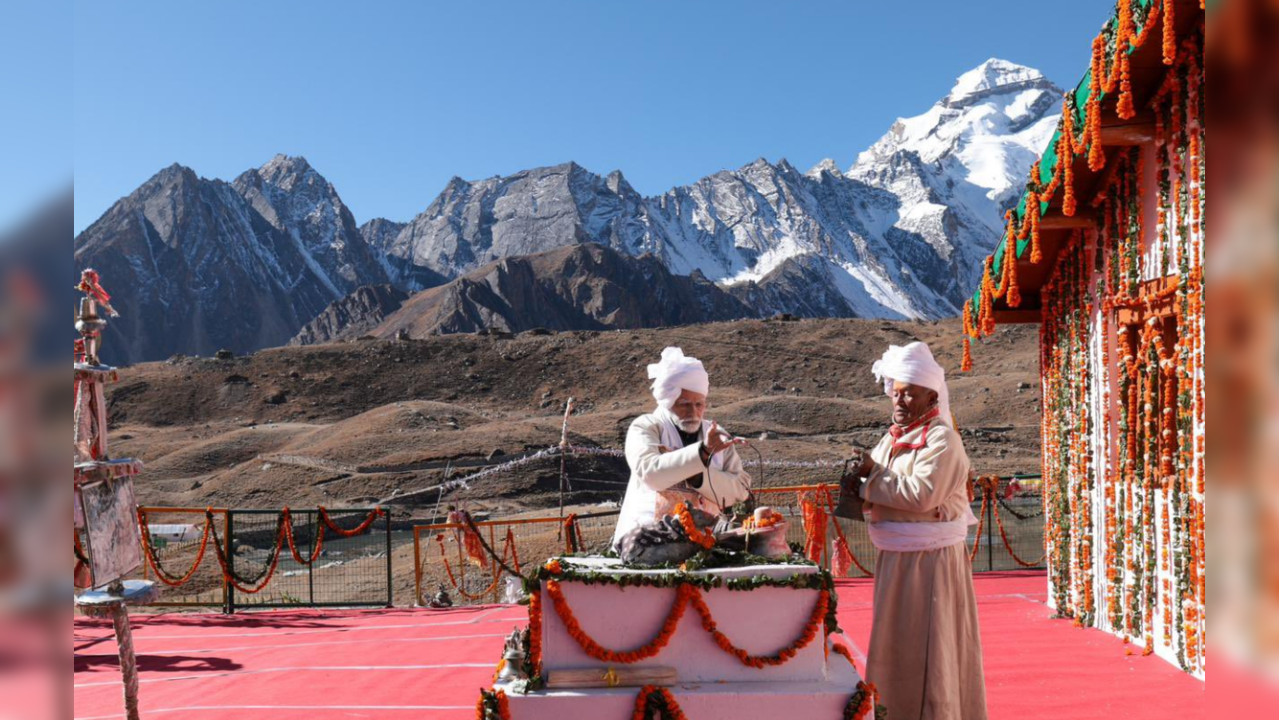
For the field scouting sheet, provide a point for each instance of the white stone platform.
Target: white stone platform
(772, 700)
(762, 621)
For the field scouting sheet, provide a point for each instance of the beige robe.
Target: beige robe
(925, 649)
(658, 476)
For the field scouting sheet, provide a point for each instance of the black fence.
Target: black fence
(248, 561)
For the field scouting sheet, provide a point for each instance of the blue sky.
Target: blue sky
(389, 100)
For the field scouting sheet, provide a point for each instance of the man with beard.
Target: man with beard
(675, 454)
(925, 649)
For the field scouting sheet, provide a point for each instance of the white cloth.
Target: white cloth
(914, 364)
(656, 476)
(919, 536)
(676, 372)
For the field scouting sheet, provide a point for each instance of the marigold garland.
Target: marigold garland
(149, 552)
(846, 654)
(653, 701)
(862, 704)
(493, 706)
(685, 595)
(698, 537)
(495, 565)
(815, 622)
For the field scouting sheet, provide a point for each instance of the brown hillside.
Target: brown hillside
(374, 420)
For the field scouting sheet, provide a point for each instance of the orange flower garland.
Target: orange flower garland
(846, 653)
(499, 700)
(698, 537)
(682, 597)
(865, 699)
(769, 520)
(149, 552)
(815, 621)
(535, 633)
(1169, 32)
(685, 595)
(653, 695)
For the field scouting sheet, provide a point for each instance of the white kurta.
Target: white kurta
(655, 474)
(925, 647)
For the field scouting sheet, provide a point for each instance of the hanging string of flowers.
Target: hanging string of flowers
(686, 594)
(148, 551)
(1110, 72)
(508, 549)
(360, 529)
(699, 537)
(493, 706)
(284, 534)
(656, 702)
(1123, 327)
(783, 656)
(813, 519)
(683, 595)
(862, 704)
(256, 583)
(843, 651)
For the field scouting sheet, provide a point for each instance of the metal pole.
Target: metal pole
(990, 538)
(417, 566)
(310, 568)
(390, 588)
(230, 564)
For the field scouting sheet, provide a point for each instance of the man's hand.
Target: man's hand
(717, 440)
(860, 463)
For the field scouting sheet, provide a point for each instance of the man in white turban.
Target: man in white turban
(925, 649)
(675, 454)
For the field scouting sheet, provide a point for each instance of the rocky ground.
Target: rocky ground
(380, 421)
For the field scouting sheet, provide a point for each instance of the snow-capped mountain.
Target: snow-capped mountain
(958, 166)
(902, 232)
(197, 264)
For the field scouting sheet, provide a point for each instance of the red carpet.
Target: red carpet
(430, 664)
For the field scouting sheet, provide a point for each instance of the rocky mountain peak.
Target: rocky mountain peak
(991, 77)
(826, 166)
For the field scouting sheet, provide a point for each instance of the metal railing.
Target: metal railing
(443, 560)
(254, 559)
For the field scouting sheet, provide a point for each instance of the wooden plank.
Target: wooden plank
(1128, 135)
(611, 677)
(1081, 220)
(1003, 317)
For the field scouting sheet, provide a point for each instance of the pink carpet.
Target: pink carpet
(430, 664)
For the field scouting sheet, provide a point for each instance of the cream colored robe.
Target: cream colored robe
(925, 649)
(656, 475)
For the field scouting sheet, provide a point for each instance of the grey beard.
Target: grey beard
(690, 426)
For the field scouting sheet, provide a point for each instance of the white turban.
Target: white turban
(914, 364)
(674, 373)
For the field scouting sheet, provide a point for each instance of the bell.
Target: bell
(513, 659)
(850, 504)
